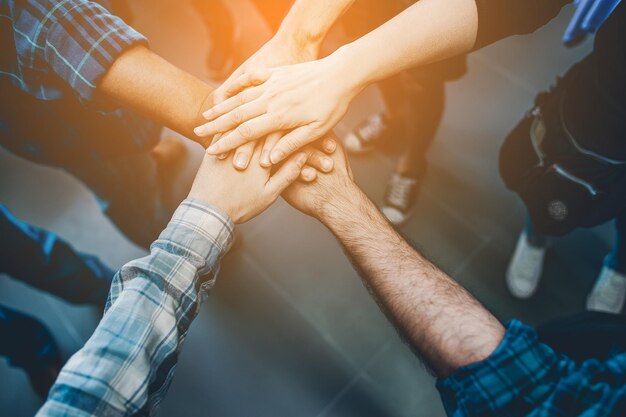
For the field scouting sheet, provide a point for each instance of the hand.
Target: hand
(330, 192)
(278, 51)
(243, 195)
(307, 100)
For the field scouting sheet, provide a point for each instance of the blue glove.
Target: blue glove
(588, 17)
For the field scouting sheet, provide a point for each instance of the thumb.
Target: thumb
(287, 174)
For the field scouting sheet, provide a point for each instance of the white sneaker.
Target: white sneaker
(365, 136)
(525, 268)
(608, 293)
(399, 199)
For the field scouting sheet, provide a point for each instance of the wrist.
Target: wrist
(342, 206)
(298, 42)
(352, 70)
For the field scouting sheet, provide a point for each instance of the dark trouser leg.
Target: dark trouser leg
(25, 342)
(130, 186)
(427, 106)
(617, 258)
(535, 238)
(42, 260)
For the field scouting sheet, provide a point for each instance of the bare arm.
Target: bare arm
(442, 321)
(309, 21)
(143, 81)
(308, 100)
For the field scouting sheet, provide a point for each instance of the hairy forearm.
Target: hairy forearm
(309, 21)
(428, 31)
(144, 82)
(440, 319)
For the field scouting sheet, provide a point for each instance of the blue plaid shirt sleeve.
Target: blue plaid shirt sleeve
(77, 39)
(126, 367)
(526, 378)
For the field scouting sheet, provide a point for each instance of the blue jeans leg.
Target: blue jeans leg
(44, 261)
(617, 258)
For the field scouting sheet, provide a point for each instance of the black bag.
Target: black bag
(563, 185)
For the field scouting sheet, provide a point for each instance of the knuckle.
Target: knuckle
(244, 131)
(236, 116)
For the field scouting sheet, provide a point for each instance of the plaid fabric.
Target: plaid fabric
(526, 378)
(127, 365)
(61, 43)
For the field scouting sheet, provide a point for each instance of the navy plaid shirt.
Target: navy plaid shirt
(126, 367)
(61, 43)
(526, 378)
(53, 54)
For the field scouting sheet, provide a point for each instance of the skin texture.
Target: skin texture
(305, 101)
(445, 325)
(142, 81)
(243, 195)
(146, 83)
(298, 40)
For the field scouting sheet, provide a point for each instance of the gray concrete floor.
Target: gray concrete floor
(289, 330)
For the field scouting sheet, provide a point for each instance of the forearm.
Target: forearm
(448, 327)
(308, 22)
(428, 31)
(128, 363)
(144, 82)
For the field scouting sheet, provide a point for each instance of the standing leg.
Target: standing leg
(526, 265)
(44, 261)
(609, 292)
(27, 344)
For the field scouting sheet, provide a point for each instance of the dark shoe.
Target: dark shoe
(400, 198)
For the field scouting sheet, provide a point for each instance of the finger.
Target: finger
(286, 174)
(269, 144)
(247, 80)
(291, 142)
(243, 155)
(251, 130)
(308, 174)
(232, 119)
(232, 103)
(319, 160)
(220, 93)
(329, 145)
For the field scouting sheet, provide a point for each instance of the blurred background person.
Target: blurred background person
(414, 107)
(44, 261)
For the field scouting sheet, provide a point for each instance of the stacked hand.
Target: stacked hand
(330, 193)
(295, 105)
(279, 51)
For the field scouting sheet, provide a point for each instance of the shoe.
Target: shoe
(608, 293)
(525, 269)
(365, 136)
(399, 199)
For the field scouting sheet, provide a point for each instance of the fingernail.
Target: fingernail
(301, 160)
(206, 114)
(199, 131)
(327, 164)
(222, 156)
(277, 156)
(330, 145)
(241, 160)
(265, 158)
(212, 150)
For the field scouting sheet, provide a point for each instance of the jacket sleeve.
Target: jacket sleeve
(498, 19)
